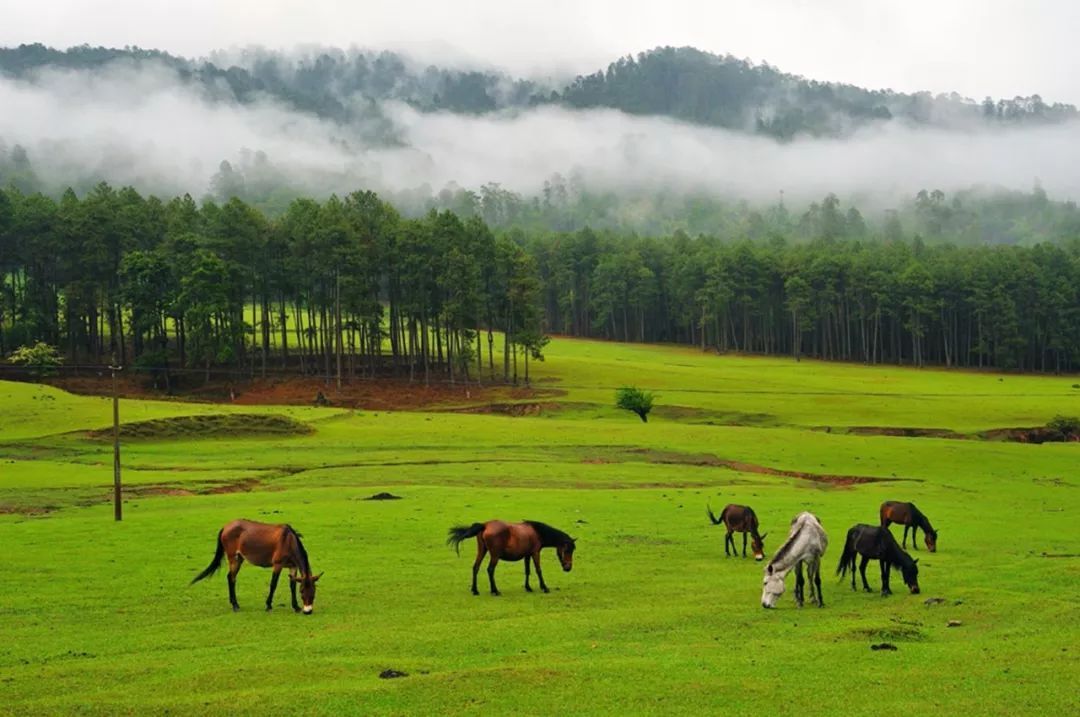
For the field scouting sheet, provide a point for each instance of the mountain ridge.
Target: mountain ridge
(683, 83)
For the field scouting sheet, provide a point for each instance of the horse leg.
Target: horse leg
(292, 591)
(862, 571)
(492, 562)
(903, 544)
(885, 591)
(728, 539)
(481, 551)
(817, 582)
(744, 544)
(539, 574)
(273, 587)
(799, 582)
(235, 561)
(527, 588)
(914, 543)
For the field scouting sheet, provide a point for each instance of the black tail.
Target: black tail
(713, 518)
(460, 533)
(215, 563)
(847, 558)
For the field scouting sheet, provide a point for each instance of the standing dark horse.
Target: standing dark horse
(268, 546)
(872, 542)
(909, 516)
(740, 518)
(513, 541)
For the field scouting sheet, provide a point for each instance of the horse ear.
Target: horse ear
(915, 562)
(294, 579)
(316, 578)
(764, 535)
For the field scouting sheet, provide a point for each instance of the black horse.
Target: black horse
(875, 542)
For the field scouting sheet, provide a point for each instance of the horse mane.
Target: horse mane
(782, 551)
(549, 536)
(922, 521)
(305, 566)
(893, 556)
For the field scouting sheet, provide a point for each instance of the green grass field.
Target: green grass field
(98, 617)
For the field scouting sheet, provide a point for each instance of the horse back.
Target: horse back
(740, 518)
(897, 512)
(510, 541)
(260, 543)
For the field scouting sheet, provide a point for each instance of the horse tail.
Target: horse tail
(215, 563)
(713, 518)
(847, 558)
(460, 533)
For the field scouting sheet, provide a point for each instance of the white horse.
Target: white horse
(806, 543)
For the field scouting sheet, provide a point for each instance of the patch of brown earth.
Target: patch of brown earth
(707, 459)
(388, 394)
(900, 432)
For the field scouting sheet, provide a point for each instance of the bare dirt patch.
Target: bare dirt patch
(707, 459)
(389, 394)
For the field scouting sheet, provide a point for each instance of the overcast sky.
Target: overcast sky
(975, 47)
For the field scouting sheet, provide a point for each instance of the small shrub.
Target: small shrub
(1065, 425)
(635, 400)
(41, 358)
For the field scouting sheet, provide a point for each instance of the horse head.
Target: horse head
(931, 540)
(566, 554)
(772, 587)
(757, 544)
(911, 576)
(307, 590)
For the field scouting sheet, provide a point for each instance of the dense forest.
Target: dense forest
(682, 83)
(351, 287)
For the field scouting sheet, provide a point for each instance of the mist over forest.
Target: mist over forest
(671, 139)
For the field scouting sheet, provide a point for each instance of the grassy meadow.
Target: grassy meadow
(98, 617)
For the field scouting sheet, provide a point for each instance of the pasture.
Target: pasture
(98, 617)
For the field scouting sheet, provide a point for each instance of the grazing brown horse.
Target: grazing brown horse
(909, 516)
(740, 518)
(268, 546)
(513, 542)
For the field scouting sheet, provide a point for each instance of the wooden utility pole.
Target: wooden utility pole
(117, 511)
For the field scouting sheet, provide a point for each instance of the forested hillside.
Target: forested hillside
(682, 83)
(175, 284)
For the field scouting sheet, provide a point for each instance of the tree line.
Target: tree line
(341, 287)
(349, 286)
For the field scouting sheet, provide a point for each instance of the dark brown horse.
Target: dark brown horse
(874, 542)
(513, 542)
(742, 519)
(907, 515)
(268, 546)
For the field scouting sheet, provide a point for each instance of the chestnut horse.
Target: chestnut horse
(268, 546)
(740, 518)
(513, 542)
(909, 516)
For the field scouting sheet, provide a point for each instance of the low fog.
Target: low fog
(144, 126)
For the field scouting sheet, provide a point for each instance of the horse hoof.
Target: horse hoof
(269, 608)
(528, 589)
(236, 608)
(495, 593)
(546, 591)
